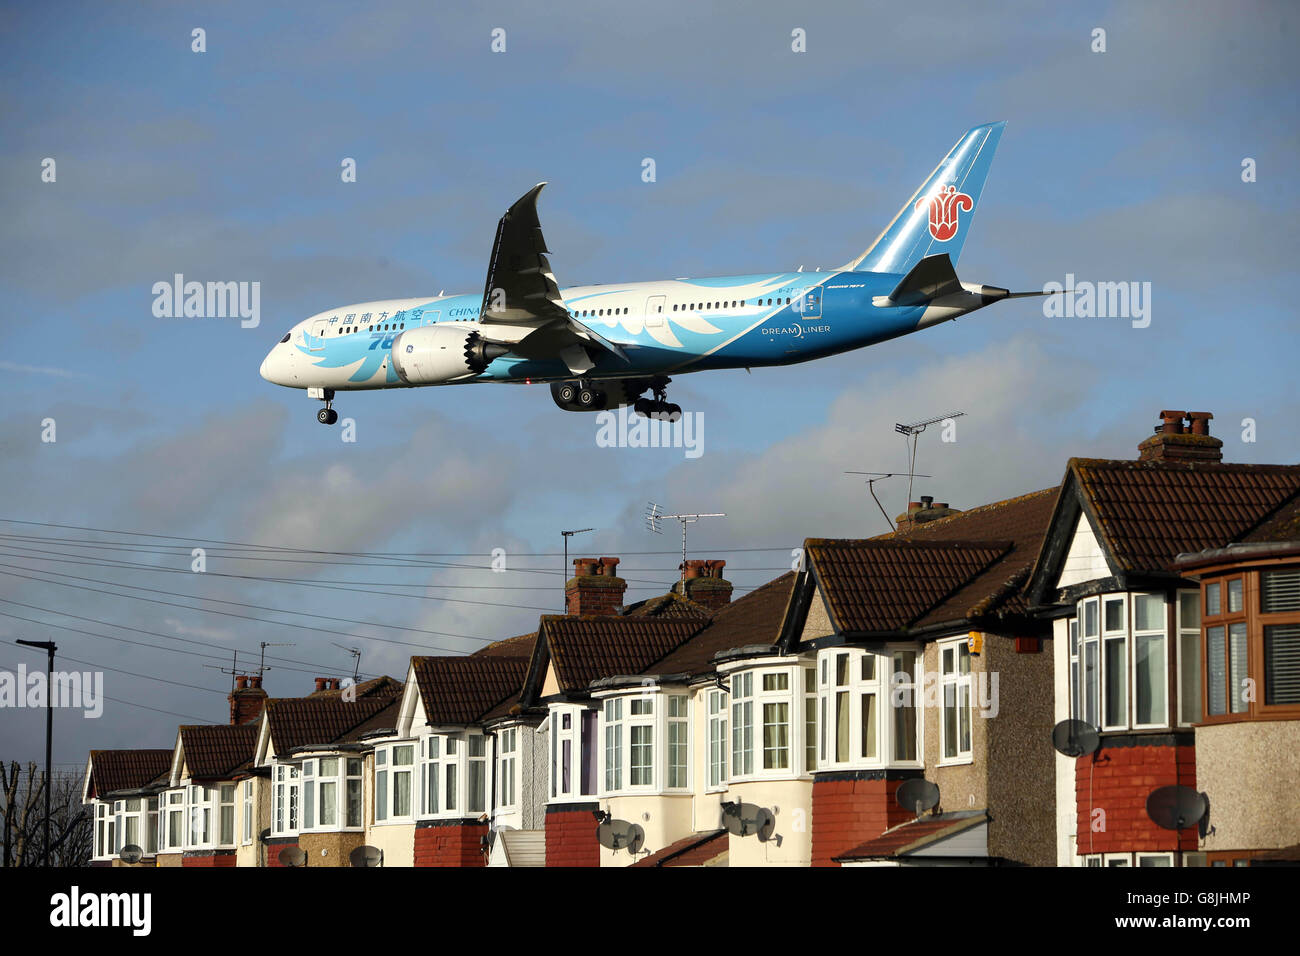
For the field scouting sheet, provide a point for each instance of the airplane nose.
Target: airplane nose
(262, 371)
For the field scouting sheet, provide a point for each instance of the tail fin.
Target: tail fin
(938, 216)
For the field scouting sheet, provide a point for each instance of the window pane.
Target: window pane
(431, 789)
(1216, 673)
(404, 756)
(869, 731)
(905, 731)
(1114, 615)
(449, 792)
(841, 670)
(1212, 604)
(776, 681)
(810, 733)
(309, 805)
(1237, 667)
(841, 727)
(478, 785)
(381, 795)
(1282, 664)
(776, 736)
(329, 766)
(1149, 678)
(354, 803)
(1149, 612)
(868, 666)
(1116, 681)
(950, 720)
(641, 743)
(328, 802)
(1090, 619)
(1279, 591)
(1189, 608)
(677, 753)
(1235, 602)
(1189, 676)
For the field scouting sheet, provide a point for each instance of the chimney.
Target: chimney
(919, 512)
(704, 583)
(246, 699)
(595, 587)
(322, 683)
(1173, 442)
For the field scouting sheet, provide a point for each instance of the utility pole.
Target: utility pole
(564, 576)
(49, 647)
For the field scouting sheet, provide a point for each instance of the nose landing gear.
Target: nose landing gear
(327, 415)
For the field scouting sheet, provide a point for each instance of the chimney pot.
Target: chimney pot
(1171, 442)
(241, 681)
(1200, 422)
(1173, 422)
(595, 587)
(321, 682)
(704, 583)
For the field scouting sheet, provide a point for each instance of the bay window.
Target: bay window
(394, 765)
(955, 685)
(284, 795)
(773, 720)
(867, 706)
(1150, 669)
(742, 724)
(646, 741)
(775, 703)
(641, 741)
(200, 810)
(453, 779)
(1119, 650)
(331, 792)
(1114, 661)
(1252, 644)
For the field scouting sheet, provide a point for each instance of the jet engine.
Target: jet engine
(436, 354)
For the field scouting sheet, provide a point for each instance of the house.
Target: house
(214, 805)
(122, 788)
(1145, 655)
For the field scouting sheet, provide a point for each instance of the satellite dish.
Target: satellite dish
(918, 795)
(131, 853)
(366, 855)
(620, 835)
(292, 856)
(1176, 807)
(746, 819)
(1075, 738)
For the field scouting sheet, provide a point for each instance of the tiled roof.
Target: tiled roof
(1149, 512)
(461, 690)
(754, 618)
(521, 646)
(318, 721)
(1000, 589)
(374, 687)
(1283, 525)
(112, 770)
(671, 604)
(583, 649)
(216, 751)
(888, 585)
(908, 837)
(698, 849)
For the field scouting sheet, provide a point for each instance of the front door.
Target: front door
(317, 340)
(654, 311)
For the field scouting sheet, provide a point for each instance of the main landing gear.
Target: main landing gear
(658, 407)
(327, 415)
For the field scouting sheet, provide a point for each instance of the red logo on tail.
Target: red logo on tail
(945, 206)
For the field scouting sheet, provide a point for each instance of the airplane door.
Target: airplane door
(809, 305)
(431, 318)
(654, 311)
(317, 341)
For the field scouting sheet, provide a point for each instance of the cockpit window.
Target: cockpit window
(286, 337)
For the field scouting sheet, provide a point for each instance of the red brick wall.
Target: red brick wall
(571, 836)
(273, 848)
(450, 843)
(851, 808)
(1118, 779)
(209, 859)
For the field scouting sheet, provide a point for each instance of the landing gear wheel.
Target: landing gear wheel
(568, 392)
(644, 407)
(327, 416)
(586, 397)
(671, 412)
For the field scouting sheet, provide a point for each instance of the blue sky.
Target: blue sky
(1116, 166)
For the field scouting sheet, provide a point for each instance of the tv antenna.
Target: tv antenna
(261, 666)
(356, 659)
(233, 670)
(653, 516)
(875, 476)
(564, 575)
(912, 431)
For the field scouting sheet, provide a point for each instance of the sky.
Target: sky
(1122, 165)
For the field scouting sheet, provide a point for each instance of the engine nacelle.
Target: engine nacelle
(436, 354)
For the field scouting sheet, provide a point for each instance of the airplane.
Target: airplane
(604, 346)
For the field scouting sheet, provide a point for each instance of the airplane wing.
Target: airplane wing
(521, 292)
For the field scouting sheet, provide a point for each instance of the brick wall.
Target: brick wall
(450, 843)
(1117, 780)
(571, 835)
(214, 858)
(273, 848)
(853, 807)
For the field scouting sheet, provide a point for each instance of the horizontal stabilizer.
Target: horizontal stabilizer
(930, 278)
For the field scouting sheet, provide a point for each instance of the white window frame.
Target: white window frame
(959, 684)
(173, 806)
(1116, 859)
(639, 721)
(286, 807)
(646, 712)
(247, 816)
(1189, 654)
(1171, 857)
(386, 770)
(221, 805)
(1111, 636)
(611, 735)
(719, 716)
(477, 742)
(507, 748)
(1163, 676)
(884, 685)
(677, 718)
